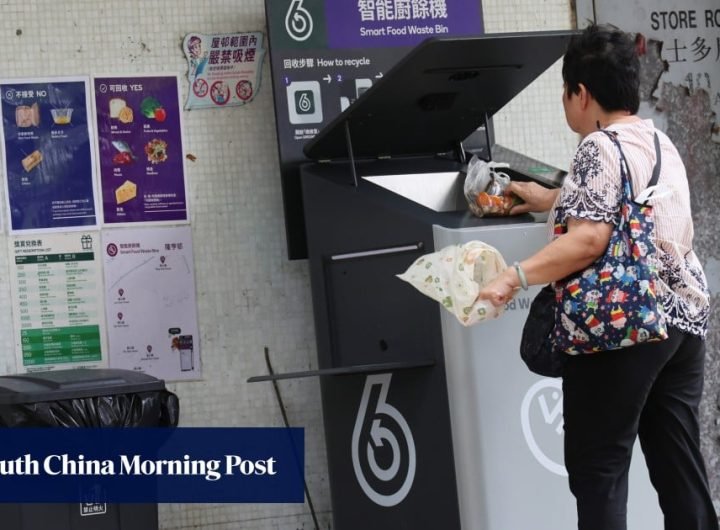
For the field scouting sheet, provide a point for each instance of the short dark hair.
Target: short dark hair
(605, 60)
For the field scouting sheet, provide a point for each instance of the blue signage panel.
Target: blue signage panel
(152, 465)
(48, 154)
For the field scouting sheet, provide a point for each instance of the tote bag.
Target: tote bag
(613, 303)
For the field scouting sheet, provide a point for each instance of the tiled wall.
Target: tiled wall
(249, 295)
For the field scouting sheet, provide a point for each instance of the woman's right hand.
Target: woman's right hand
(536, 198)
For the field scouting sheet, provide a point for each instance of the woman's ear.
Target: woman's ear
(584, 95)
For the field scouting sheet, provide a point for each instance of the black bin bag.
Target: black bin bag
(84, 398)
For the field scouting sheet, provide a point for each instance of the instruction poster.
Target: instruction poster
(223, 69)
(47, 154)
(57, 301)
(328, 53)
(141, 150)
(150, 302)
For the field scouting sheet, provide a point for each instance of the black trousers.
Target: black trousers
(650, 390)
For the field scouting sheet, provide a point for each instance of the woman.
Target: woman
(651, 390)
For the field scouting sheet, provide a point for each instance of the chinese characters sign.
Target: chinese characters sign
(57, 300)
(380, 23)
(690, 34)
(695, 46)
(402, 9)
(48, 154)
(142, 175)
(150, 302)
(223, 70)
(327, 53)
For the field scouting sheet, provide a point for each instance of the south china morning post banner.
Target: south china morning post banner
(140, 465)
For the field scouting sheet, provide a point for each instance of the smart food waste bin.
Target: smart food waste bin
(428, 424)
(83, 398)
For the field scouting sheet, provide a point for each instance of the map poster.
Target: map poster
(150, 302)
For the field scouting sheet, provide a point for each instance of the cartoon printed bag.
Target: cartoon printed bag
(454, 276)
(612, 304)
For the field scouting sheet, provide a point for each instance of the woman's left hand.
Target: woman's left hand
(502, 289)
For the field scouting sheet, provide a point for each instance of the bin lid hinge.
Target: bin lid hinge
(487, 137)
(351, 156)
(460, 153)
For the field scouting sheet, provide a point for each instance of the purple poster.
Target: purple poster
(140, 148)
(373, 24)
(48, 155)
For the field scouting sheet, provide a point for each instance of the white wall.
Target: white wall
(249, 295)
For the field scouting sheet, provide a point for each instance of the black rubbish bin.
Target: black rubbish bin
(84, 398)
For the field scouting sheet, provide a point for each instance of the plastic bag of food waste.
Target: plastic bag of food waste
(454, 276)
(485, 188)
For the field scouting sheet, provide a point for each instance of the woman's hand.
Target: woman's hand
(536, 198)
(501, 290)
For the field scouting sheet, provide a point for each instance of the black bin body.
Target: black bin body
(84, 398)
(381, 350)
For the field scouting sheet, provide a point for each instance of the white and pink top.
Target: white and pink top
(591, 191)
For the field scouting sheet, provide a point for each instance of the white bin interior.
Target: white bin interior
(441, 192)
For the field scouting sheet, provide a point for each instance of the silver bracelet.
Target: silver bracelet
(521, 276)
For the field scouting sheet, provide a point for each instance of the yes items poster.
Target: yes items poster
(150, 302)
(140, 148)
(48, 154)
(57, 301)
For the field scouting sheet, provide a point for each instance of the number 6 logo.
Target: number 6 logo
(379, 428)
(298, 21)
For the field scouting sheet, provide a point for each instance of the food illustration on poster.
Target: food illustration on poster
(48, 156)
(140, 149)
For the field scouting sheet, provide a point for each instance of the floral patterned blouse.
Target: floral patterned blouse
(592, 191)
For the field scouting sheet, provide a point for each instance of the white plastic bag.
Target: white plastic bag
(484, 188)
(454, 276)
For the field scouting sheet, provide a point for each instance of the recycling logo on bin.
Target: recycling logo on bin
(383, 449)
(542, 424)
(298, 21)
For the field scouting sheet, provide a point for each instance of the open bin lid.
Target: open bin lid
(441, 92)
(74, 384)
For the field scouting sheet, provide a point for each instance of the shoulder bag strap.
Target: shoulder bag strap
(624, 165)
(656, 169)
(626, 181)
